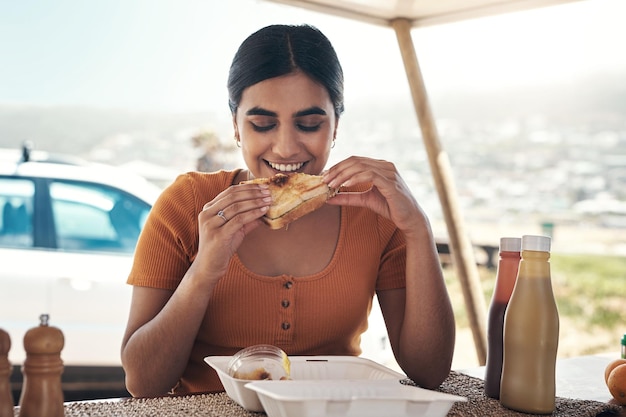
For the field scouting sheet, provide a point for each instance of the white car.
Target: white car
(68, 231)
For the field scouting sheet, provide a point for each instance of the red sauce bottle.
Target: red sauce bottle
(508, 264)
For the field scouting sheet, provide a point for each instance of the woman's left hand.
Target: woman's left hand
(389, 195)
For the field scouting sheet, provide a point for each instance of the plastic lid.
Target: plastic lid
(260, 362)
(624, 339)
(510, 244)
(536, 243)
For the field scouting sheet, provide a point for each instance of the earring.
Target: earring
(333, 144)
(238, 142)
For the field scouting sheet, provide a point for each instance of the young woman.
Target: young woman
(209, 278)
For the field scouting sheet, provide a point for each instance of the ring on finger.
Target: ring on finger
(221, 215)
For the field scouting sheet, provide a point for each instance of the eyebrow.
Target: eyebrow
(259, 111)
(310, 111)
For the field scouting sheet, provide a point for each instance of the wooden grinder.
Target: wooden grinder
(42, 395)
(6, 397)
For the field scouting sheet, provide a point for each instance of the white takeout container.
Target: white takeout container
(350, 398)
(304, 368)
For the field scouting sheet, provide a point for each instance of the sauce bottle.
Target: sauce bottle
(624, 346)
(508, 264)
(531, 334)
(6, 397)
(42, 395)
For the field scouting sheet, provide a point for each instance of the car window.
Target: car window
(93, 217)
(16, 203)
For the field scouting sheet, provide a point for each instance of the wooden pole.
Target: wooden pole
(460, 245)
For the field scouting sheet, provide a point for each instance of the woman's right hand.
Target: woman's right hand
(154, 334)
(224, 222)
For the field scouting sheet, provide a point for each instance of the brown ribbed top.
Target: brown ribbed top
(320, 314)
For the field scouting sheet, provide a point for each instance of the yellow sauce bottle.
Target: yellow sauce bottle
(531, 334)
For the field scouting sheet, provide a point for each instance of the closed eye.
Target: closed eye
(310, 119)
(262, 128)
(309, 128)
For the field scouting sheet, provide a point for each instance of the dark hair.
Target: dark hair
(283, 49)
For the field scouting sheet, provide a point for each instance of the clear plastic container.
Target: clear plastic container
(260, 362)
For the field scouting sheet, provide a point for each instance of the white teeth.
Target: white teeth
(286, 168)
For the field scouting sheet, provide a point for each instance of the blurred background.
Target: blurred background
(530, 106)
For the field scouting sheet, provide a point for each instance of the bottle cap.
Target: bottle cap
(43, 339)
(536, 243)
(510, 244)
(624, 339)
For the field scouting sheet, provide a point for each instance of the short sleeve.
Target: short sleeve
(169, 240)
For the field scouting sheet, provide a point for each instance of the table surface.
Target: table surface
(577, 378)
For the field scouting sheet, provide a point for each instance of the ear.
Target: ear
(235, 129)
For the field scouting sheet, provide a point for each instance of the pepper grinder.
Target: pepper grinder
(6, 397)
(42, 395)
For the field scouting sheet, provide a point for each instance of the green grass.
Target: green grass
(589, 289)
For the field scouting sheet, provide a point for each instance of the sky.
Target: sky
(174, 55)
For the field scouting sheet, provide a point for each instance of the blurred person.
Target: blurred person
(209, 278)
(209, 145)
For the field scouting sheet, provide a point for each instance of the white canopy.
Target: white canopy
(418, 12)
(402, 16)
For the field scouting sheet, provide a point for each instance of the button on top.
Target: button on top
(288, 285)
(285, 303)
(286, 326)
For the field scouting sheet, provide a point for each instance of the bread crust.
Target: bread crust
(304, 208)
(293, 196)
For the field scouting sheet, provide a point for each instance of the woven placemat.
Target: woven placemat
(219, 404)
(201, 405)
(479, 405)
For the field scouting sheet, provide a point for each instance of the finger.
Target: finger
(236, 194)
(238, 214)
(355, 170)
(222, 216)
(349, 199)
(239, 211)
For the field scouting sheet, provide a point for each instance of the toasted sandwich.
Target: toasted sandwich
(293, 196)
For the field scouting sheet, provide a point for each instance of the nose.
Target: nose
(286, 143)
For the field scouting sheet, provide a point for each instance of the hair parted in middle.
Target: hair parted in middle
(278, 50)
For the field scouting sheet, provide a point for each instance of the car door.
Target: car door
(82, 237)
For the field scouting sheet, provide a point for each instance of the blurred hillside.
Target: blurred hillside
(529, 156)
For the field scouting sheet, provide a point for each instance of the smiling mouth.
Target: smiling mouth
(286, 167)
